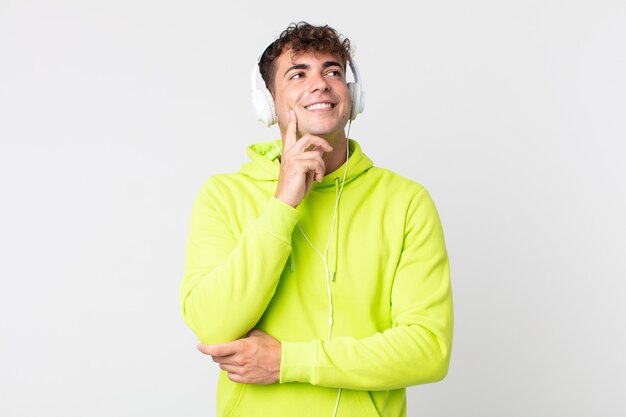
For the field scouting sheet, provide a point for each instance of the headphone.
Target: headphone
(264, 102)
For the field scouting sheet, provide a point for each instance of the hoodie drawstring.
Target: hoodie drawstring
(333, 266)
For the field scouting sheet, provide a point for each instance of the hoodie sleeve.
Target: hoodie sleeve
(228, 282)
(416, 348)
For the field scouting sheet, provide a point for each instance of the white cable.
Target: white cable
(339, 195)
(269, 130)
(325, 256)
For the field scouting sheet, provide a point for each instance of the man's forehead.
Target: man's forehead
(290, 57)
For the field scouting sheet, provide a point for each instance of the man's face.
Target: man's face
(314, 86)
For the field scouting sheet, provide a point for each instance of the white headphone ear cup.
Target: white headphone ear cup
(264, 105)
(358, 99)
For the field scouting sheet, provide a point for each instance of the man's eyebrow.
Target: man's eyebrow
(332, 64)
(326, 64)
(295, 67)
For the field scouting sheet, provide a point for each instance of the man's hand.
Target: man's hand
(252, 360)
(300, 164)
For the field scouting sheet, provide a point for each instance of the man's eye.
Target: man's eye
(334, 73)
(296, 76)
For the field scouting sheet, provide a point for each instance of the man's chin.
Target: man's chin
(322, 131)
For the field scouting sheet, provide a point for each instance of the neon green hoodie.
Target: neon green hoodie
(249, 266)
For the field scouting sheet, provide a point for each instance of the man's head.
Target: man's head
(305, 71)
(301, 38)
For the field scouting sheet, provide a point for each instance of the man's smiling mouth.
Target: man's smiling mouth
(320, 106)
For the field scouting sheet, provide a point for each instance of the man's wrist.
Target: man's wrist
(286, 200)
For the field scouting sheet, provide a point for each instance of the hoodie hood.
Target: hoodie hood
(264, 164)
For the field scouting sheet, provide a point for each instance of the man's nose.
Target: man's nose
(318, 82)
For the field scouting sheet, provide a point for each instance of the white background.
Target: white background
(113, 113)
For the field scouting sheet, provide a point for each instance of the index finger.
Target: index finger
(292, 129)
(223, 349)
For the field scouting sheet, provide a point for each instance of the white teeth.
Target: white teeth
(318, 106)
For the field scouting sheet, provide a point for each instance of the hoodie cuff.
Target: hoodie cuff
(297, 362)
(279, 219)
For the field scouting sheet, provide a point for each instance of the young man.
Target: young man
(318, 282)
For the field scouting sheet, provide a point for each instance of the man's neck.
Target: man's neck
(333, 160)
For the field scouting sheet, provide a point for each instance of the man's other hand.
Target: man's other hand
(254, 359)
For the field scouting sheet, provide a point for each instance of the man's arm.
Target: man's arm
(415, 350)
(229, 282)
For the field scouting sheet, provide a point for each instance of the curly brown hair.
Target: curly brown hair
(300, 38)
